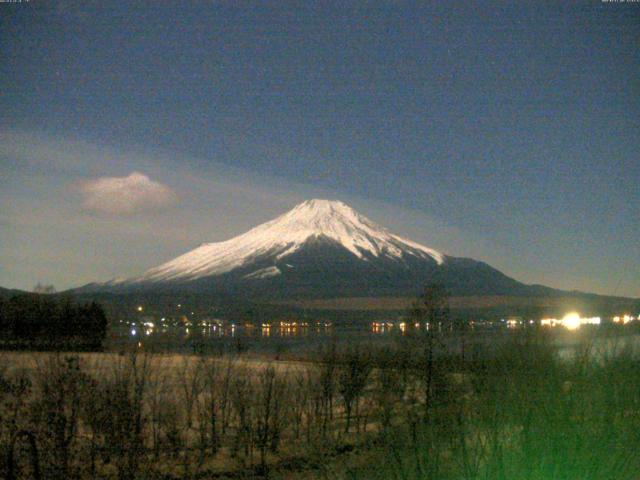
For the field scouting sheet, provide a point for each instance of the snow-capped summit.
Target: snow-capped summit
(327, 220)
(319, 249)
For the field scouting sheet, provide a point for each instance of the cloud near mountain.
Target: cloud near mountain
(135, 193)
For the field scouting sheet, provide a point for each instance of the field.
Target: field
(410, 408)
(584, 303)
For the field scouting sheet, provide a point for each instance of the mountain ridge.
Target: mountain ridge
(283, 236)
(319, 249)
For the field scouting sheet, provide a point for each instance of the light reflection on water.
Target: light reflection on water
(400, 327)
(278, 329)
(291, 329)
(233, 330)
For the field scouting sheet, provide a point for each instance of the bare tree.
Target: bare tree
(298, 400)
(157, 391)
(352, 379)
(170, 423)
(191, 384)
(328, 366)
(123, 404)
(41, 288)
(242, 397)
(388, 394)
(314, 415)
(266, 411)
(431, 311)
(209, 407)
(57, 410)
(229, 372)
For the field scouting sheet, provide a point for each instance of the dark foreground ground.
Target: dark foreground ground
(532, 405)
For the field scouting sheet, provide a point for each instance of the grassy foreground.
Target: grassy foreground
(407, 410)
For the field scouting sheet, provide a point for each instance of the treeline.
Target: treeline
(47, 322)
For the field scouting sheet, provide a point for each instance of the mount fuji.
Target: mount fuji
(319, 249)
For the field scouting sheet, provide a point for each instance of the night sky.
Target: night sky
(131, 132)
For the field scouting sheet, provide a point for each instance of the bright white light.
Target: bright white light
(133, 332)
(624, 319)
(548, 322)
(571, 321)
(592, 320)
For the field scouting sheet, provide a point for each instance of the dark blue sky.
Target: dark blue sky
(513, 128)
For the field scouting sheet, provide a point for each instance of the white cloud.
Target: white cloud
(126, 195)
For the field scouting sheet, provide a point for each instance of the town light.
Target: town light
(571, 321)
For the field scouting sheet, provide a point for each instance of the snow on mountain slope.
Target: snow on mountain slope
(287, 234)
(263, 273)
